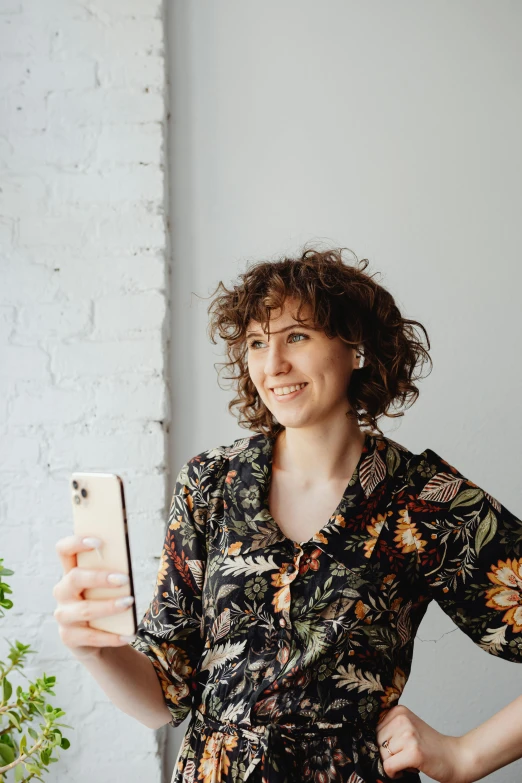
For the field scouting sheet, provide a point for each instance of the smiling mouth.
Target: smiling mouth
(289, 394)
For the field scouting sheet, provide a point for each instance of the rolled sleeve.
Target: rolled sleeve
(469, 551)
(171, 630)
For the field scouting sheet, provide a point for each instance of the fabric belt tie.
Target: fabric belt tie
(267, 740)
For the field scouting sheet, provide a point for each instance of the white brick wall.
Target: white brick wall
(83, 316)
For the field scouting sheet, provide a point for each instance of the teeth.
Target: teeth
(288, 389)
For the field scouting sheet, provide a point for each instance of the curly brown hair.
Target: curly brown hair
(345, 302)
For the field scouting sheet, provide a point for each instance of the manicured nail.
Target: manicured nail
(118, 579)
(94, 543)
(127, 600)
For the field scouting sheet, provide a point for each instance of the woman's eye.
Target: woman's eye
(297, 334)
(292, 334)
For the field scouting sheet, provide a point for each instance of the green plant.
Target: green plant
(25, 760)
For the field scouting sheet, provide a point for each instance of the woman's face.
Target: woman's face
(298, 355)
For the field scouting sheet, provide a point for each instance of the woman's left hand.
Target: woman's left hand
(416, 747)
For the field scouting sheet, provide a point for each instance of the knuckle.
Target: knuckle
(84, 611)
(81, 578)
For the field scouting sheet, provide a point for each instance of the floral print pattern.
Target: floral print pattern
(286, 654)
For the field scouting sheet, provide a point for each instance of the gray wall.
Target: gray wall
(392, 129)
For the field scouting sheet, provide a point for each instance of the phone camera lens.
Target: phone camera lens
(76, 499)
(84, 493)
(75, 485)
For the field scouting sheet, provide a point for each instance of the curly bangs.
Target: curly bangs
(344, 302)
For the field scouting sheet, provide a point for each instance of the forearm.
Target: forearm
(495, 743)
(128, 678)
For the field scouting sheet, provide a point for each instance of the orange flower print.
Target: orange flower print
(374, 530)
(393, 692)
(320, 537)
(280, 577)
(176, 523)
(230, 476)
(508, 595)
(172, 659)
(281, 599)
(163, 568)
(361, 610)
(234, 549)
(408, 537)
(310, 561)
(215, 762)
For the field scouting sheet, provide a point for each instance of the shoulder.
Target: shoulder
(218, 455)
(414, 468)
(431, 478)
(209, 468)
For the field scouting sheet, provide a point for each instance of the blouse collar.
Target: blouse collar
(246, 490)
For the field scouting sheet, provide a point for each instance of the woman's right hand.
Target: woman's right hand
(74, 611)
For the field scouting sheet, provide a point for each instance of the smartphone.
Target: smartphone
(98, 503)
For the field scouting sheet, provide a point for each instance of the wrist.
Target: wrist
(467, 761)
(86, 653)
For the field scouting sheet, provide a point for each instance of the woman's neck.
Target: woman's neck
(317, 456)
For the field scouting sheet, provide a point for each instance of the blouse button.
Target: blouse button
(290, 569)
(282, 622)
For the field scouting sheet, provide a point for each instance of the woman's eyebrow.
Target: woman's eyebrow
(296, 325)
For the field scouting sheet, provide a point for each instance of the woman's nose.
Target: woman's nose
(276, 360)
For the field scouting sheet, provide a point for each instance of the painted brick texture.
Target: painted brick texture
(84, 310)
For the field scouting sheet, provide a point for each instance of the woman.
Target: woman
(299, 561)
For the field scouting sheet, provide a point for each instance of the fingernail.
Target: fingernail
(118, 579)
(92, 542)
(127, 600)
(128, 638)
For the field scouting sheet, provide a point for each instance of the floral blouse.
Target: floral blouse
(286, 654)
